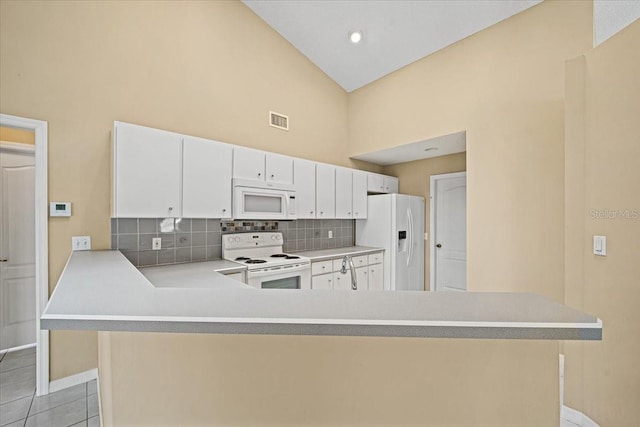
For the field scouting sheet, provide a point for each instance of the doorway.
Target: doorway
(17, 245)
(40, 218)
(448, 228)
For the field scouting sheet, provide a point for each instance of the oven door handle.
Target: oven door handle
(282, 270)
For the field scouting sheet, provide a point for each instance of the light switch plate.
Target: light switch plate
(600, 245)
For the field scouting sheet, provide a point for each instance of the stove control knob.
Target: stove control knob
(278, 237)
(237, 239)
(273, 237)
(230, 239)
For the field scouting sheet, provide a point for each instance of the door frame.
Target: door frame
(432, 223)
(40, 128)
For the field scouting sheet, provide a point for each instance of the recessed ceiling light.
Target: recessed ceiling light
(355, 37)
(430, 148)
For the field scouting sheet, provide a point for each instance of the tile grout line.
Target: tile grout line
(30, 405)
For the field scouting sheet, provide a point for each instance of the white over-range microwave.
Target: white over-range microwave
(259, 200)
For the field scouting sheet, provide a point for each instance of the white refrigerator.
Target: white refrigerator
(395, 222)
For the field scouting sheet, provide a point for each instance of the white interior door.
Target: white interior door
(449, 232)
(17, 249)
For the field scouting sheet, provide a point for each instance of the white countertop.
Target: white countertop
(193, 274)
(102, 290)
(321, 254)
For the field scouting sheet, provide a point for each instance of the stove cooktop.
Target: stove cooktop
(258, 250)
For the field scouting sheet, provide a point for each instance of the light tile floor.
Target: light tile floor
(19, 406)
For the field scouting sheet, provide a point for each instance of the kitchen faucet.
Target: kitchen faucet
(354, 279)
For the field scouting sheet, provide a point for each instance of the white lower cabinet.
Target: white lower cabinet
(376, 280)
(322, 281)
(328, 275)
(362, 275)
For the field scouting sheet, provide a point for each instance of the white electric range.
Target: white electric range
(267, 266)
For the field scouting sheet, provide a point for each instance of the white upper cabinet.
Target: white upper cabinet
(359, 194)
(378, 183)
(206, 178)
(344, 193)
(390, 184)
(304, 179)
(248, 163)
(279, 168)
(260, 165)
(160, 174)
(147, 170)
(325, 191)
(375, 182)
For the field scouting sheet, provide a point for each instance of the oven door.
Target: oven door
(285, 277)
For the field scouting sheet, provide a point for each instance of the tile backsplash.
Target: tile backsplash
(187, 240)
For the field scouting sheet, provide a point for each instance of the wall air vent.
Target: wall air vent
(278, 120)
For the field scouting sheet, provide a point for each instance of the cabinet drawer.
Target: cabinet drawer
(337, 264)
(321, 267)
(360, 261)
(375, 258)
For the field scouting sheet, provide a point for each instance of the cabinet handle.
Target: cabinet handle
(356, 213)
(224, 210)
(259, 173)
(321, 212)
(272, 176)
(348, 213)
(311, 212)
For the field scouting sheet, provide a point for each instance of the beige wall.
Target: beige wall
(17, 135)
(603, 174)
(505, 87)
(336, 381)
(210, 69)
(415, 180)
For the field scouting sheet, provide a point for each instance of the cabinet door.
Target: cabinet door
(325, 191)
(362, 274)
(376, 281)
(344, 193)
(390, 184)
(359, 195)
(342, 282)
(324, 281)
(248, 163)
(147, 170)
(206, 178)
(279, 168)
(304, 179)
(375, 182)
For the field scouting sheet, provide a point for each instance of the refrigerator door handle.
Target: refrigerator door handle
(410, 242)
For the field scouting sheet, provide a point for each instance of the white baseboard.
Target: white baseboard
(71, 380)
(577, 417)
(20, 347)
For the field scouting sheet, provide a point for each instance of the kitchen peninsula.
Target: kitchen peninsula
(193, 354)
(102, 290)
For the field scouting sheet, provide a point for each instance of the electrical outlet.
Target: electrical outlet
(331, 234)
(81, 243)
(156, 243)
